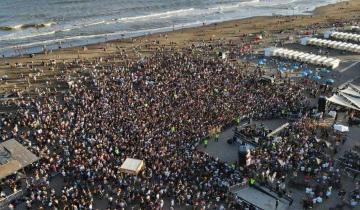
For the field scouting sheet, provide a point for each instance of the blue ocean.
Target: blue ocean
(29, 26)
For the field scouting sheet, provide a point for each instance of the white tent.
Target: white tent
(353, 47)
(317, 58)
(352, 28)
(314, 59)
(292, 55)
(322, 42)
(342, 46)
(297, 55)
(321, 60)
(339, 100)
(355, 87)
(355, 27)
(352, 99)
(301, 56)
(342, 36)
(334, 64)
(326, 61)
(329, 60)
(308, 58)
(132, 166)
(350, 91)
(341, 128)
(334, 44)
(282, 52)
(318, 61)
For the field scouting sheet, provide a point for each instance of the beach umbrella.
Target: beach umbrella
(262, 62)
(295, 66)
(303, 74)
(282, 68)
(330, 81)
(316, 77)
(308, 71)
(325, 71)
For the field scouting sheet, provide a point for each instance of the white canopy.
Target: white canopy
(355, 28)
(132, 166)
(355, 87)
(354, 100)
(343, 36)
(334, 64)
(335, 44)
(341, 128)
(339, 100)
(301, 56)
(350, 91)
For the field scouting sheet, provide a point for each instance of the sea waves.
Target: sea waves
(27, 26)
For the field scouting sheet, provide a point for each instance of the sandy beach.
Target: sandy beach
(275, 28)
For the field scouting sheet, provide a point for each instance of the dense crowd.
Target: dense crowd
(295, 156)
(157, 109)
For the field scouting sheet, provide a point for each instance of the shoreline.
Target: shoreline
(254, 19)
(274, 26)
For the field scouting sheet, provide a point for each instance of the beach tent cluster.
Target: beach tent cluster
(331, 44)
(353, 28)
(342, 36)
(302, 57)
(326, 42)
(348, 97)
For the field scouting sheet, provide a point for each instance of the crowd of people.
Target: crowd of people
(157, 109)
(296, 157)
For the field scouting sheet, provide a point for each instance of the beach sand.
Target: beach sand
(23, 78)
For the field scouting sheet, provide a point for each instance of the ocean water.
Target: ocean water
(29, 26)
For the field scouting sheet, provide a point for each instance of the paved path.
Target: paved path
(349, 67)
(346, 74)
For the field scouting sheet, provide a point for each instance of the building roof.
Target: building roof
(14, 156)
(260, 199)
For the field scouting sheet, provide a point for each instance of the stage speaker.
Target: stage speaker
(243, 155)
(321, 104)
